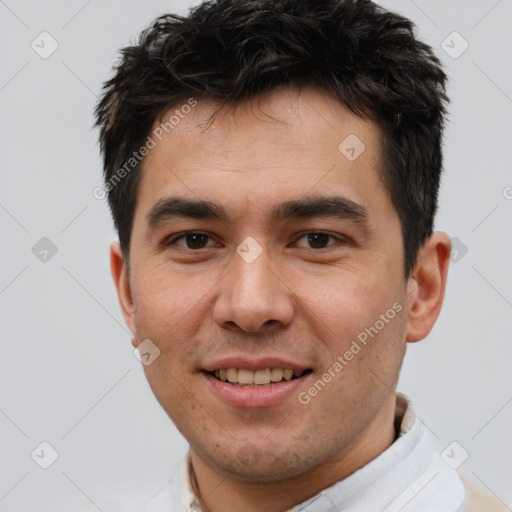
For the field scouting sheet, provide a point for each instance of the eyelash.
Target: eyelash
(338, 239)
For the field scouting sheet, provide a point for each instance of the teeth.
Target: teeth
(276, 374)
(262, 377)
(232, 375)
(288, 374)
(256, 378)
(245, 376)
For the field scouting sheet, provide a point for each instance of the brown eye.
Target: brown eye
(192, 240)
(195, 240)
(317, 240)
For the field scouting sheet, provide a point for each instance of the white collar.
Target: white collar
(409, 476)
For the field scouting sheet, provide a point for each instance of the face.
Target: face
(295, 263)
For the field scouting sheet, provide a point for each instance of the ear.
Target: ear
(118, 268)
(427, 285)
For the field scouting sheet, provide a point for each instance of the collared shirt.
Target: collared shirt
(409, 476)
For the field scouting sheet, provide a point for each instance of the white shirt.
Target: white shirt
(409, 476)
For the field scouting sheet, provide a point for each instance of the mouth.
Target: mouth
(268, 377)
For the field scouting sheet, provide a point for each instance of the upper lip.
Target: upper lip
(253, 364)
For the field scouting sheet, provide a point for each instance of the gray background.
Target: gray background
(68, 374)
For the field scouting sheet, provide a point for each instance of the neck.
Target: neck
(218, 493)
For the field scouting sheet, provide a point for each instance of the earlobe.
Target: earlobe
(124, 293)
(427, 286)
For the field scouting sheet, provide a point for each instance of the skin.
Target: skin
(297, 301)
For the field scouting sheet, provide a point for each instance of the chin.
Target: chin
(261, 464)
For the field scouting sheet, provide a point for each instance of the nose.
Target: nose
(253, 298)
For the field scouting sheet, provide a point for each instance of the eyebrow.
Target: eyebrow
(317, 206)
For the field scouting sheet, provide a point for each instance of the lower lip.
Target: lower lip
(267, 396)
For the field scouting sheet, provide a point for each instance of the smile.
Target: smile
(258, 378)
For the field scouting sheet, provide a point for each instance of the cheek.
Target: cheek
(173, 394)
(360, 320)
(345, 302)
(169, 319)
(166, 303)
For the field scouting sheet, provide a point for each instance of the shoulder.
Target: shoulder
(478, 498)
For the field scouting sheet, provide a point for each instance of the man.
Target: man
(272, 169)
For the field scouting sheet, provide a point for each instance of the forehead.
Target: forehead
(287, 143)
